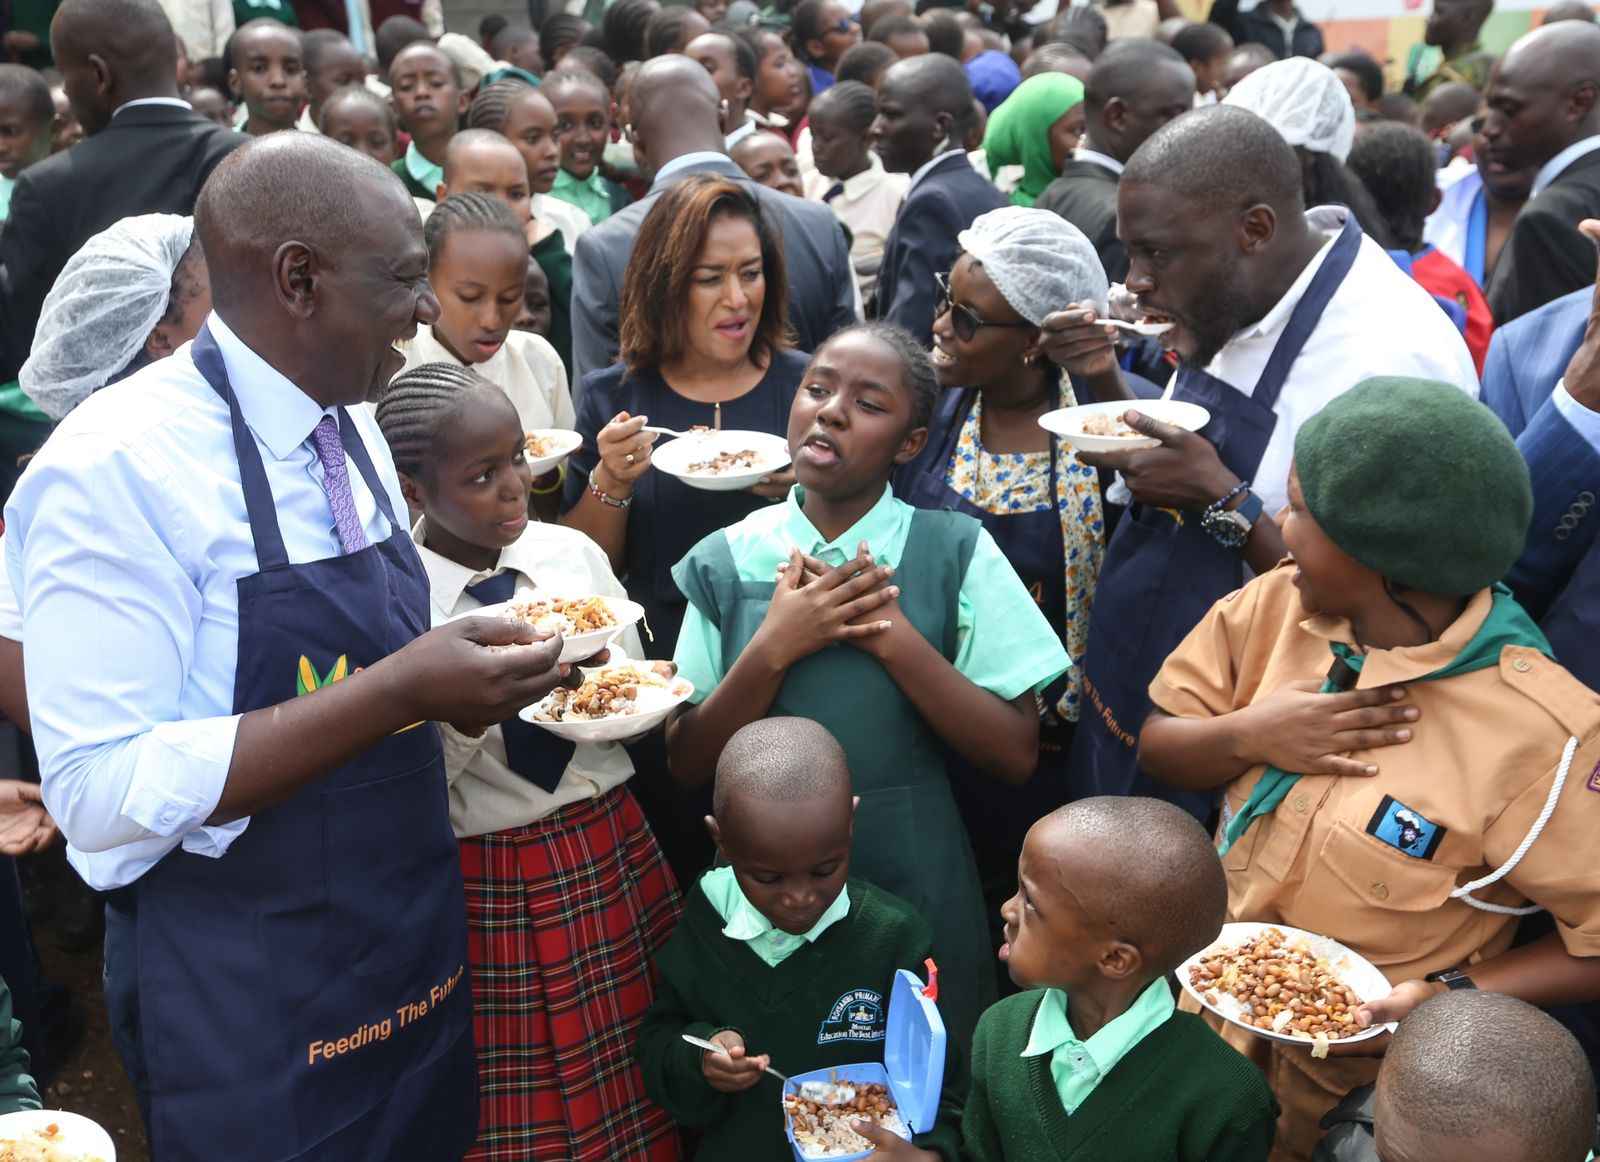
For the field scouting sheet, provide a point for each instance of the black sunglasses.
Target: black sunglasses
(963, 319)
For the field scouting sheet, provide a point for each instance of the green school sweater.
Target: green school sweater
(1180, 1095)
(826, 1005)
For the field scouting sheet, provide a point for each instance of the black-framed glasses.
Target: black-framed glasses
(845, 25)
(964, 321)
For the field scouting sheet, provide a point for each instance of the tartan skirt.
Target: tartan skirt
(564, 916)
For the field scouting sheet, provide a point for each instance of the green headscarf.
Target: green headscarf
(1019, 131)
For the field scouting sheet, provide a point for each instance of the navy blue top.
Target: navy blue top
(668, 518)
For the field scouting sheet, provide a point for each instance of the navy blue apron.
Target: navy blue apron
(997, 815)
(1161, 575)
(306, 996)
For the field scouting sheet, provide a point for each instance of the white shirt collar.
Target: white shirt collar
(687, 161)
(175, 102)
(1558, 164)
(857, 184)
(1321, 220)
(1104, 160)
(928, 165)
(278, 412)
(448, 580)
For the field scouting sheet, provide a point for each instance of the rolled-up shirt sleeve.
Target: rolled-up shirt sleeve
(95, 550)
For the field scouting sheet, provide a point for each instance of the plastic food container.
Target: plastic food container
(912, 1066)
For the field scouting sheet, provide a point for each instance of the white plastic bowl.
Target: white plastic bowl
(1354, 971)
(78, 1135)
(1068, 422)
(674, 457)
(652, 707)
(564, 443)
(574, 647)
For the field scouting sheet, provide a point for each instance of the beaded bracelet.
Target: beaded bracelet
(606, 498)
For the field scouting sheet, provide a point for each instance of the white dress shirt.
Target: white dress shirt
(1103, 160)
(868, 205)
(1379, 322)
(1447, 228)
(1558, 164)
(486, 795)
(526, 368)
(126, 538)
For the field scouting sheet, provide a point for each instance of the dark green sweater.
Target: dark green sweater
(824, 1006)
(1180, 1095)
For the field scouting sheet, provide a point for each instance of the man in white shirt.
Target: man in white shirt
(231, 684)
(1274, 312)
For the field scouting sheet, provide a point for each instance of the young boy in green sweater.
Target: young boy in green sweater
(1094, 1063)
(780, 951)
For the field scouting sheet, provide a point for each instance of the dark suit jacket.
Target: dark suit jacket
(1086, 195)
(1546, 257)
(1257, 27)
(1558, 576)
(150, 159)
(923, 243)
(822, 296)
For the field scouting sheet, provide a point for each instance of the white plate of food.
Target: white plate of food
(547, 447)
(1310, 985)
(722, 461)
(586, 624)
(53, 1136)
(616, 701)
(1098, 427)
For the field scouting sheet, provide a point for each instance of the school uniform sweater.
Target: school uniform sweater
(1180, 1095)
(825, 1005)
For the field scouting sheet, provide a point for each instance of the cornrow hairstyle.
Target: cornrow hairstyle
(482, 212)
(557, 34)
(623, 25)
(415, 407)
(849, 104)
(23, 86)
(916, 367)
(564, 77)
(492, 106)
(593, 60)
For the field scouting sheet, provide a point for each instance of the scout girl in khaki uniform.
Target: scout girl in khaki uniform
(1455, 778)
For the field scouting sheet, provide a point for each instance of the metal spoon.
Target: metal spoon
(1140, 328)
(670, 432)
(700, 1043)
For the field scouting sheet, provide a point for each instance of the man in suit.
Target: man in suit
(676, 132)
(925, 108)
(147, 152)
(1135, 88)
(1276, 25)
(1542, 377)
(1542, 119)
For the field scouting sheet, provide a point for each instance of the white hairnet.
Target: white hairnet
(1304, 101)
(1037, 260)
(102, 308)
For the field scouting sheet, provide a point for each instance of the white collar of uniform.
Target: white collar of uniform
(278, 412)
(858, 184)
(175, 102)
(305, 124)
(1558, 164)
(1321, 220)
(448, 580)
(1094, 156)
(927, 166)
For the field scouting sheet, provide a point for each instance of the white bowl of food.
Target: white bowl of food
(586, 624)
(53, 1136)
(547, 447)
(722, 461)
(616, 701)
(1098, 427)
(1313, 985)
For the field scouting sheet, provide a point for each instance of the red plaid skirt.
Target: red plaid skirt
(563, 918)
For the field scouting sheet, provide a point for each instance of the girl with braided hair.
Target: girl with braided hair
(478, 265)
(526, 117)
(568, 897)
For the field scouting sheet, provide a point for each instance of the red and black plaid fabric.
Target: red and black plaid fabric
(563, 919)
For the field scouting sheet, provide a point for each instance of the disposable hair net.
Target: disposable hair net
(1037, 260)
(1304, 101)
(102, 308)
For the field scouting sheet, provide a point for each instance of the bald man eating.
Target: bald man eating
(232, 691)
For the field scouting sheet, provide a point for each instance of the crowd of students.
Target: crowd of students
(963, 695)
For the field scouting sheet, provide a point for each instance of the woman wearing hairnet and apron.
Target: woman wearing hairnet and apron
(987, 456)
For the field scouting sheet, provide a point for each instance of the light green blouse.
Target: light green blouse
(1078, 1066)
(742, 920)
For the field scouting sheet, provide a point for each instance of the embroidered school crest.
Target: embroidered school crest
(1405, 829)
(856, 1016)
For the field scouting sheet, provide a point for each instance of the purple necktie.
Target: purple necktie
(336, 483)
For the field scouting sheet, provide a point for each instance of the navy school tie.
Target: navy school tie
(531, 752)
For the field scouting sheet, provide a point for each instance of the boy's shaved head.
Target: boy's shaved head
(1474, 1075)
(780, 760)
(471, 142)
(1156, 878)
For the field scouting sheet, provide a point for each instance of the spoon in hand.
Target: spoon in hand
(1139, 328)
(668, 431)
(711, 1047)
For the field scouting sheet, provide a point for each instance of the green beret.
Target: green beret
(1417, 481)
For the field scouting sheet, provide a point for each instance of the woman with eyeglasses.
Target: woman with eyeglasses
(987, 456)
(822, 32)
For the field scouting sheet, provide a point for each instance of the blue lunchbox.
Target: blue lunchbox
(912, 1067)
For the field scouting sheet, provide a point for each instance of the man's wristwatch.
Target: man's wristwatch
(1230, 528)
(1452, 978)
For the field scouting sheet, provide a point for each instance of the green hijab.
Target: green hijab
(1019, 131)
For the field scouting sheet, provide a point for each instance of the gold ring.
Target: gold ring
(628, 458)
